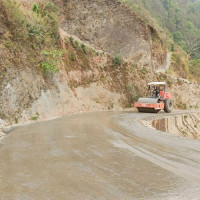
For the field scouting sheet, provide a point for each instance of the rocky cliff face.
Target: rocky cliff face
(110, 26)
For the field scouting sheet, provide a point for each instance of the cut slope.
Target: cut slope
(187, 125)
(112, 27)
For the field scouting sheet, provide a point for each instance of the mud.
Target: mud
(105, 155)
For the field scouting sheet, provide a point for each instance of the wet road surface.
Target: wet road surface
(102, 155)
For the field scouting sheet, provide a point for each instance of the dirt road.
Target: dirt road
(104, 155)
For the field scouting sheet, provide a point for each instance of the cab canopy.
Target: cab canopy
(157, 83)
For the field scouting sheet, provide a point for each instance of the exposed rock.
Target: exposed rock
(110, 26)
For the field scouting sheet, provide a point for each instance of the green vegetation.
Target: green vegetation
(34, 118)
(76, 44)
(50, 60)
(185, 116)
(36, 9)
(35, 32)
(177, 37)
(38, 30)
(195, 68)
(117, 61)
(172, 48)
(71, 39)
(66, 41)
(84, 48)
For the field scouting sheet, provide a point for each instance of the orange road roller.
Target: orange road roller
(158, 99)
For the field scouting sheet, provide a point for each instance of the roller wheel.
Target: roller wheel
(168, 105)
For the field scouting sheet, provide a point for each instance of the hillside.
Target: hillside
(180, 18)
(180, 21)
(60, 57)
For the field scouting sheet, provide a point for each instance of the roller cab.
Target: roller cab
(158, 99)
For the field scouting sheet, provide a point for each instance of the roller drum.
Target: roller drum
(148, 100)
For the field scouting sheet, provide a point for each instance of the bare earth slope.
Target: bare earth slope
(111, 27)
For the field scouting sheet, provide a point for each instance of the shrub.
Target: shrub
(117, 61)
(71, 39)
(34, 118)
(84, 48)
(47, 18)
(37, 34)
(36, 8)
(49, 14)
(76, 44)
(172, 48)
(50, 60)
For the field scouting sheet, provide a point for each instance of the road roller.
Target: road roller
(158, 99)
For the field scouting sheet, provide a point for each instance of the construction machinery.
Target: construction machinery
(158, 99)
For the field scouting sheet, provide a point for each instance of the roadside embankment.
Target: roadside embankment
(187, 124)
(3, 124)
